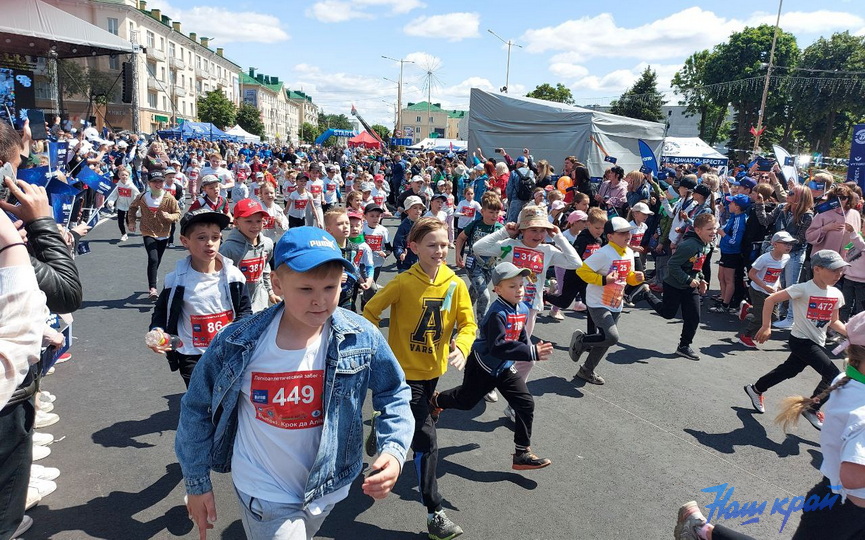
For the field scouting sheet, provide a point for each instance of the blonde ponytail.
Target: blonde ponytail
(792, 407)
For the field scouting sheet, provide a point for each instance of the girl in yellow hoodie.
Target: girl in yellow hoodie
(427, 302)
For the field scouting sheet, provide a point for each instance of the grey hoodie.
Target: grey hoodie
(253, 262)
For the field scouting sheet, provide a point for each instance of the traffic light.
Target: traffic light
(127, 82)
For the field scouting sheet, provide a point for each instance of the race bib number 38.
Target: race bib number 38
(205, 327)
(288, 400)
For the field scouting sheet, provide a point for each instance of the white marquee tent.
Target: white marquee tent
(553, 131)
(243, 135)
(691, 150)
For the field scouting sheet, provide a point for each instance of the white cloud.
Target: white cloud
(810, 22)
(675, 36)
(423, 61)
(567, 70)
(451, 26)
(334, 11)
(246, 26)
(616, 82)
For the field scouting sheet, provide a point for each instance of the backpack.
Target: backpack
(526, 185)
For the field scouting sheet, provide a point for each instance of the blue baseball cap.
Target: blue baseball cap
(741, 200)
(304, 248)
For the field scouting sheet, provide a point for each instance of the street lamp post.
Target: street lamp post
(509, 43)
(399, 89)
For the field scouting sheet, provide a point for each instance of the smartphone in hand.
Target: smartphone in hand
(37, 124)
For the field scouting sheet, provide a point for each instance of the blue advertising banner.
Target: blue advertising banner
(95, 181)
(856, 165)
(57, 155)
(648, 156)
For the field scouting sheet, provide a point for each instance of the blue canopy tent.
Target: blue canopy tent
(334, 133)
(196, 130)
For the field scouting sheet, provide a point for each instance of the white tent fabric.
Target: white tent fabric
(33, 27)
(244, 135)
(553, 131)
(691, 150)
(440, 145)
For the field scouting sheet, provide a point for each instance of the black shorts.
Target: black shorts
(731, 260)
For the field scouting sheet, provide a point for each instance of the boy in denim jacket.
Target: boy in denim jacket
(277, 400)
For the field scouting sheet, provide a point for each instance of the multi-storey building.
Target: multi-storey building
(280, 116)
(422, 120)
(173, 69)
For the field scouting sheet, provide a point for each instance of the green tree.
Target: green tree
(641, 101)
(215, 108)
(333, 121)
(382, 131)
(559, 93)
(249, 118)
(734, 73)
(824, 108)
(689, 82)
(79, 80)
(308, 132)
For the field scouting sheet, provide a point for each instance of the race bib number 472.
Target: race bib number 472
(288, 400)
(820, 309)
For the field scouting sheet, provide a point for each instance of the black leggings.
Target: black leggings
(121, 221)
(155, 248)
(424, 443)
(477, 382)
(803, 353)
(675, 298)
(572, 286)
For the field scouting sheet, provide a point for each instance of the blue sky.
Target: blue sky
(332, 48)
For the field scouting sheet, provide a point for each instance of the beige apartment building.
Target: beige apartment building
(173, 68)
(420, 120)
(279, 114)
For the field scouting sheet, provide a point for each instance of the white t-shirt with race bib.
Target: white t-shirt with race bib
(280, 418)
(206, 309)
(812, 310)
(603, 261)
(769, 270)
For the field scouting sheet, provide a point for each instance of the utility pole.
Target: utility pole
(766, 82)
(399, 90)
(509, 43)
(136, 119)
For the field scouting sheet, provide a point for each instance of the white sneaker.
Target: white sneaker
(124, 238)
(510, 414)
(491, 397)
(47, 396)
(42, 439)
(784, 324)
(44, 473)
(44, 419)
(26, 523)
(33, 498)
(40, 452)
(579, 306)
(50, 371)
(44, 406)
(44, 487)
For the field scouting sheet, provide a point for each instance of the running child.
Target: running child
(466, 209)
(436, 208)
(377, 238)
(842, 441)
(204, 293)
(765, 276)
(275, 224)
(502, 342)
(590, 240)
(292, 460)
(478, 267)
(685, 283)
(576, 222)
(250, 250)
(121, 198)
(427, 303)
(607, 271)
(299, 206)
(815, 304)
(405, 257)
(210, 197)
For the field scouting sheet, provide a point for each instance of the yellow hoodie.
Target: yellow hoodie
(422, 318)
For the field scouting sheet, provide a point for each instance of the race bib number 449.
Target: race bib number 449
(288, 400)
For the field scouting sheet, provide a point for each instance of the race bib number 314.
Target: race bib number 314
(288, 400)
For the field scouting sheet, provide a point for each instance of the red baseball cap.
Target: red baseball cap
(355, 214)
(248, 207)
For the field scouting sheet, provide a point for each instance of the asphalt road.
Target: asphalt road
(625, 455)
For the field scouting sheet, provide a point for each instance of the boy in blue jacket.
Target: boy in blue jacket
(502, 341)
(277, 399)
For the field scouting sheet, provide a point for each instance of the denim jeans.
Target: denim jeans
(479, 280)
(791, 274)
(16, 455)
(278, 521)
